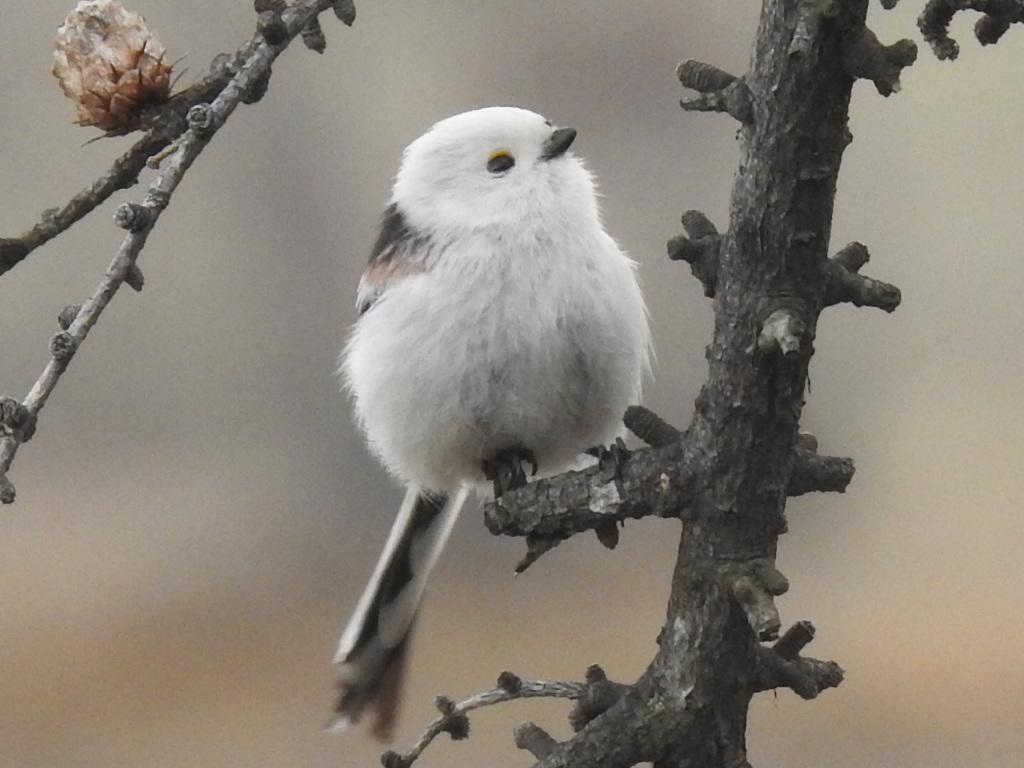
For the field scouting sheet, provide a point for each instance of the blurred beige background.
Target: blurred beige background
(197, 515)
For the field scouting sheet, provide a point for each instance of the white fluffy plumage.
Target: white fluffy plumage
(496, 314)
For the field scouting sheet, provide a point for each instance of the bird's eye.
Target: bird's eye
(500, 161)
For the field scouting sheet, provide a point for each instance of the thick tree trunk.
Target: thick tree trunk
(770, 276)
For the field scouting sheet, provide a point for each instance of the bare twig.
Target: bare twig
(251, 68)
(165, 122)
(509, 688)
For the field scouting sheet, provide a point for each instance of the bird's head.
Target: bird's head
(498, 166)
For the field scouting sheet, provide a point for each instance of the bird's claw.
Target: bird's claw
(505, 469)
(611, 459)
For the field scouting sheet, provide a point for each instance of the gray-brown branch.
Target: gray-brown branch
(654, 482)
(510, 687)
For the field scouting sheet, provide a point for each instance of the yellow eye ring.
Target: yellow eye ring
(500, 161)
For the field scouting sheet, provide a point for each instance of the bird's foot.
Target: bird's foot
(611, 459)
(505, 468)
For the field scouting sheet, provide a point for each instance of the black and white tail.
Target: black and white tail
(372, 649)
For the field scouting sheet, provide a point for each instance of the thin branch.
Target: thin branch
(509, 688)
(254, 61)
(165, 122)
(123, 174)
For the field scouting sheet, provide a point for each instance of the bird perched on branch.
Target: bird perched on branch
(500, 330)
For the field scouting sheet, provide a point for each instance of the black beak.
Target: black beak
(558, 143)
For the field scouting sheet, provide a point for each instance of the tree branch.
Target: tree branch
(661, 481)
(164, 123)
(249, 72)
(453, 718)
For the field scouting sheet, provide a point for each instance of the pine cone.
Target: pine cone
(110, 65)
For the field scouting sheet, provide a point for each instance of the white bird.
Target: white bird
(499, 324)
